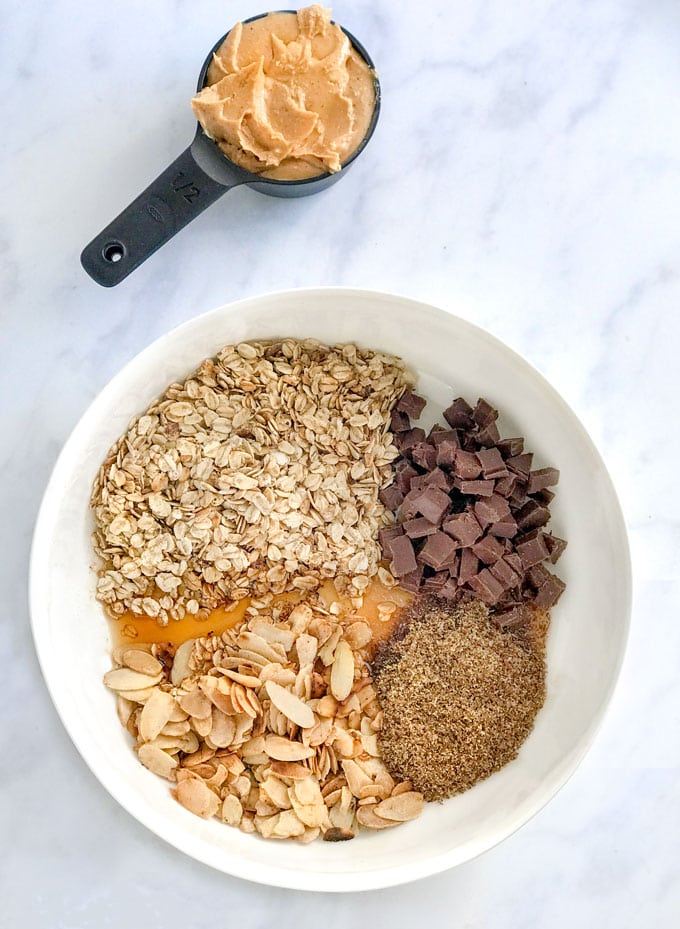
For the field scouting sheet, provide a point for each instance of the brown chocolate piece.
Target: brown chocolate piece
(459, 414)
(531, 548)
(388, 533)
(467, 466)
(505, 528)
(399, 422)
(521, 464)
(438, 435)
(450, 590)
(555, 546)
(486, 586)
(475, 488)
(488, 436)
(506, 574)
(405, 473)
(532, 516)
(518, 497)
(544, 496)
(403, 556)
(419, 527)
(493, 509)
(484, 413)
(544, 477)
(405, 441)
(537, 575)
(491, 463)
(505, 619)
(412, 581)
(549, 592)
(409, 508)
(436, 582)
(424, 455)
(391, 497)
(463, 527)
(446, 452)
(469, 565)
(506, 485)
(515, 562)
(411, 404)
(488, 549)
(433, 504)
(438, 478)
(439, 550)
(509, 448)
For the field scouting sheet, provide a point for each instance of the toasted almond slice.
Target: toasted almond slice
(282, 749)
(335, 834)
(180, 663)
(178, 715)
(233, 764)
(290, 769)
(255, 643)
(332, 798)
(218, 778)
(124, 709)
(327, 706)
(156, 760)
(196, 704)
(402, 788)
(307, 791)
(202, 727)
(291, 706)
(288, 826)
(155, 714)
(358, 634)
(356, 777)
(138, 660)
(124, 679)
(276, 792)
(246, 680)
(223, 729)
(197, 797)
(198, 757)
(306, 647)
(342, 673)
(366, 817)
(273, 632)
(232, 811)
(376, 791)
(401, 808)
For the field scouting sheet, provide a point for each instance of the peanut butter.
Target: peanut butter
(287, 95)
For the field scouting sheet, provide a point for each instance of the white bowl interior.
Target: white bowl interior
(586, 641)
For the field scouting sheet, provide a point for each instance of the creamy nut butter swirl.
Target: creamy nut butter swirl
(287, 95)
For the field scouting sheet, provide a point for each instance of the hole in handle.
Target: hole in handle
(113, 251)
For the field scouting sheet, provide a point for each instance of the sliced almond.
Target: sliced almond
(246, 680)
(306, 647)
(291, 706)
(282, 749)
(144, 662)
(223, 729)
(180, 663)
(197, 797)
(232, 811)
(401, 808)
(276, 792)
(158, 761)
(124, 709)
(290, 769)
(342, 673)
(366, 816)
(288, 826)
(196, 704)
(155, 714)
(124, 679)
(356, 777)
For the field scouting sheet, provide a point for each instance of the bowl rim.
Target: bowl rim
(379, 877)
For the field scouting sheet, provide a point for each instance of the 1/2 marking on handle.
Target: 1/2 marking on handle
(187, 188)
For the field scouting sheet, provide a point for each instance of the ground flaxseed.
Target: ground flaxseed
(458, 695)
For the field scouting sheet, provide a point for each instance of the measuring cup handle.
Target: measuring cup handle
(178, 195)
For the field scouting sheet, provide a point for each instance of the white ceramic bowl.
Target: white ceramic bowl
(586, 642)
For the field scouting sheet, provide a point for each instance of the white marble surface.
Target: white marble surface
(524, 173)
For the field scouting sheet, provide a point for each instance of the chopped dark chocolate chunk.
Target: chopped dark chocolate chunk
(403, 556)
(404, 475)
(450, 590)
(505, 528)
(446, 452)
(491, 463)
(488, 549)
(438, 478)
(409, 508)
(515, 562)
(537, 575)
(475, 488)
(549, 592)
(544, 477)
(463, 527)
(411, 404)
(436, 582)
(438, 550)
(391, 497)
(424, 455)
(469, 565)
(531, 548)
(412, 581)
(438, 435)
(399, 422)
(518, 497)
(505, 573)
(486, 586)
(488, 436)
(544, 496)
(467, 466)
(433, 504)
(491, 510)
(509, 448)
(419, 527)
(405, 441)
(532, 516)
(484, 413)
(506, 485)
(555, 546)
(390, 532)
(521, 464)
(459, 414)
(505, 619)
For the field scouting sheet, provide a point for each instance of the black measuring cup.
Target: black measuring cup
(201, 175)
